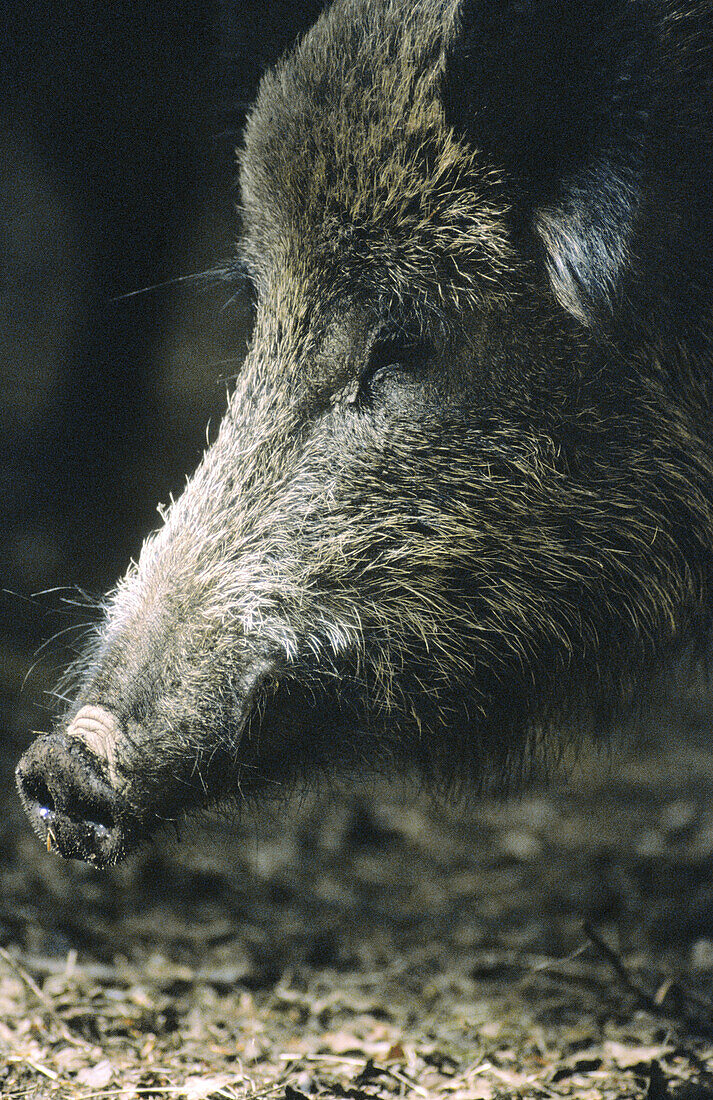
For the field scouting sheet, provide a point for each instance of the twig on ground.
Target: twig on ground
(44, 1000)
(627, 979)
(685, 1018)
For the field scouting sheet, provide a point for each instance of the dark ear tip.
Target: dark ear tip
(551, 95)
(532, 84)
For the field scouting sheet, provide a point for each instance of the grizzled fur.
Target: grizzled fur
(463, 489)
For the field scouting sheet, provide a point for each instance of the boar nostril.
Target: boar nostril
(37, 791)
(88, 811)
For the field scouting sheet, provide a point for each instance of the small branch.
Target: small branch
(685, 1018)
(44, 1000)
(623, 972)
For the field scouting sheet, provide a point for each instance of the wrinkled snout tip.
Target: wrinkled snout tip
(72, 807)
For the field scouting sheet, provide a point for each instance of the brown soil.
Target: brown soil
(373, 944)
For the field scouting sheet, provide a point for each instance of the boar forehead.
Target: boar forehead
(350, 174)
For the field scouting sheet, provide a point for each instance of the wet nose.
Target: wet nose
(72, 806)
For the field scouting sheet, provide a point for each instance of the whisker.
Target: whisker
(227, 272)
(65, 630)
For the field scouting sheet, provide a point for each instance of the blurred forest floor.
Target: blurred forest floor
(367, 942)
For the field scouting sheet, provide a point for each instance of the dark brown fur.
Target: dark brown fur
(463, 488)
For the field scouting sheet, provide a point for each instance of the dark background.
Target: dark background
(117, 173)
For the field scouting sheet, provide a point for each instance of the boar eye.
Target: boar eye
(389, 359)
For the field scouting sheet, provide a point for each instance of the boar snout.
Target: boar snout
(71, 804)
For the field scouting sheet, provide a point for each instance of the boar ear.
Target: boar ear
(548, 91)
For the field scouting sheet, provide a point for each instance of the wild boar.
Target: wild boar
(462, 494)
